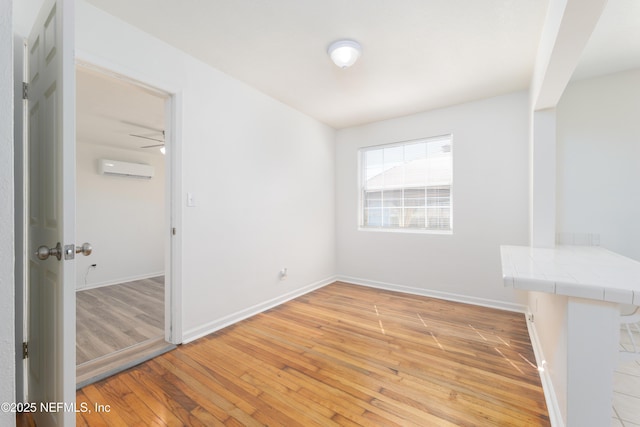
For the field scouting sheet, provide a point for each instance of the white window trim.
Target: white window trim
(360, 215)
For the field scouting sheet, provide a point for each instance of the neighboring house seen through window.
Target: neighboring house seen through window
(407, 186)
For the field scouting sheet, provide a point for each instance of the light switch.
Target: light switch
(191, 200)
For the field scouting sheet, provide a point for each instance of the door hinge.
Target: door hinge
(25, 350)
(173, 231)
(25, 90)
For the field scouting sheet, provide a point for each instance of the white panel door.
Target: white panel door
(51, 213)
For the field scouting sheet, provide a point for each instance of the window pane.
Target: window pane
(438, 218)
(373, 203)
(414, 217)
(438, 197)
(373, 164)
(392, 198)
(392, 217)
(439, 148)
(373, 217)
(393, 156)
(408, 185)
(372, 174)
(414, 202)
(377, 195)
(373, 158)
(414, 193)
(414, 197)
(415, 151)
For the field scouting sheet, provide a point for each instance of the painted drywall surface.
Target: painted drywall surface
(490, 201)
(122, 217)
(543, 179)
(550, 322)
(24, 15)
(568, 26)
(596, 172)
(598, 152)
(7, 237)
(261, 173)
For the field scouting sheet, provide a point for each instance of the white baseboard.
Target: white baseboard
(555, 414)
(206, 329)
(483, 302)
(119, 281)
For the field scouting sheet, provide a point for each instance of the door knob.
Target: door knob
(44, 252)
(85, 249)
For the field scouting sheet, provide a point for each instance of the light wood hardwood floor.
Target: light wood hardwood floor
(342, 355)
(112, 318)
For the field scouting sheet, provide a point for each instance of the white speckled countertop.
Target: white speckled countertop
(579, 271)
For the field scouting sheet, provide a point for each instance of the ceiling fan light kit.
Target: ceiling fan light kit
(344, 53)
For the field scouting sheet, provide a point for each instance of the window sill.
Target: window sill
(405, 231)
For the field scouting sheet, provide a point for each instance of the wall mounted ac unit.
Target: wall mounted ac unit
(114, 167)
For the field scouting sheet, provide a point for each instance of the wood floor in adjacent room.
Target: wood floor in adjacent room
(341, 355)
(115, 317)
(118, 326)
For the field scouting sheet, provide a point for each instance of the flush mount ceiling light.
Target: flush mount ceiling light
(344, 53)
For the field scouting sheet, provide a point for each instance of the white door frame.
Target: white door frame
(173, 184)
(173, 242)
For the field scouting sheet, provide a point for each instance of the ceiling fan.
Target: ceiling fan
(154, 135)
(158, 137)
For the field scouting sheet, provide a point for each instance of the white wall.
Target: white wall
(490, 203)
(596, 173)
(123, 218)
(568, 27)
(7, 236)
(550, 337)
(24, 15)
(599, 161)
(262, 175)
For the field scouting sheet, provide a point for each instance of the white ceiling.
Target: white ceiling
(615, 43)
(417, 54)
(110, 110)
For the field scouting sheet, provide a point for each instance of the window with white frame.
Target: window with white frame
(407, 186)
